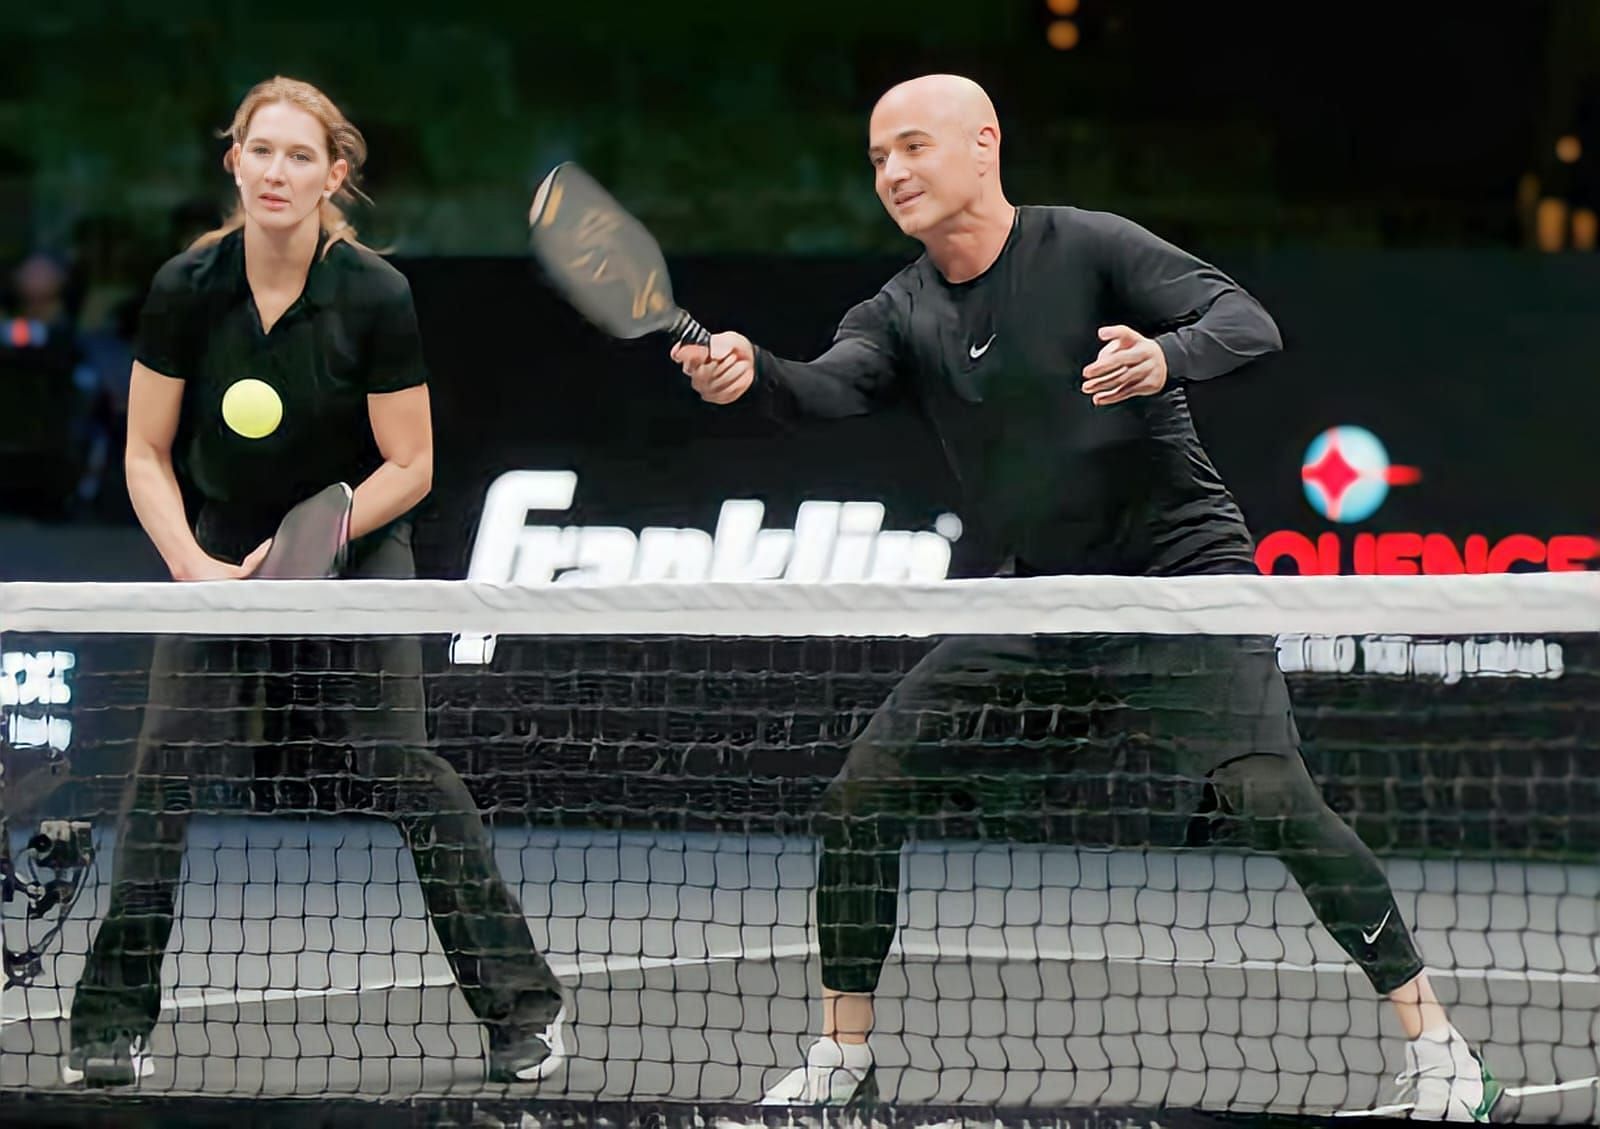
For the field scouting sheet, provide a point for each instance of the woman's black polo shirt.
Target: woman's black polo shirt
(352, 332)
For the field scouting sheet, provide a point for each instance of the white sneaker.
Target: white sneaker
(834, 1074)
(115, 1063)
(1445, 1080)
(518, 1054)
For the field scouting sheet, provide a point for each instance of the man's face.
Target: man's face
(925, 165)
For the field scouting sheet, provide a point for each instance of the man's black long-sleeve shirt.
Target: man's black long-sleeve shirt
(1056, 484)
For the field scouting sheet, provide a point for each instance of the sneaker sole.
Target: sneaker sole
(865, 1094)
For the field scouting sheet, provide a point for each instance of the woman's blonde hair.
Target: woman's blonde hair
(343, 139)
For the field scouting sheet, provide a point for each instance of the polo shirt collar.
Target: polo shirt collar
(319, 288)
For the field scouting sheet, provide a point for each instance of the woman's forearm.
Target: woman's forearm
(158, 503)
(388, 492)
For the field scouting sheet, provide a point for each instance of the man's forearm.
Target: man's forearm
(839, 383)
(1235, 329)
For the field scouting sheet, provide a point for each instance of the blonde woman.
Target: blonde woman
(276, 356)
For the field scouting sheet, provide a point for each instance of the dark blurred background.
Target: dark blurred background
(737, 132)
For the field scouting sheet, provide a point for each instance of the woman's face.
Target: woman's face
(282, 168)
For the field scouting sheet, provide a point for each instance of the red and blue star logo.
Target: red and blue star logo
(1347, 474)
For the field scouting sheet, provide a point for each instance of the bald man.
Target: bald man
(1050, 348)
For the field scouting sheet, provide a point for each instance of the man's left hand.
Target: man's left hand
(1129, 365)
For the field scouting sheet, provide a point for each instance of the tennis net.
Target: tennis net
(658, 774)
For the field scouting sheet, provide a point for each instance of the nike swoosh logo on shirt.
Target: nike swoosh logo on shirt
(1369, 938)
(975, 352)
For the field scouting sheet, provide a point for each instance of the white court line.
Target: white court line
(1518, 1092)
(1376, 1111)
(1552, 1087)
(1001, 953)
(588, 965)
(220, 997)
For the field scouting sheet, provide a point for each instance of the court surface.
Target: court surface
(1027, 975)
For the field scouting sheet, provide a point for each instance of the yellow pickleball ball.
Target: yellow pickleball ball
(252, 409)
